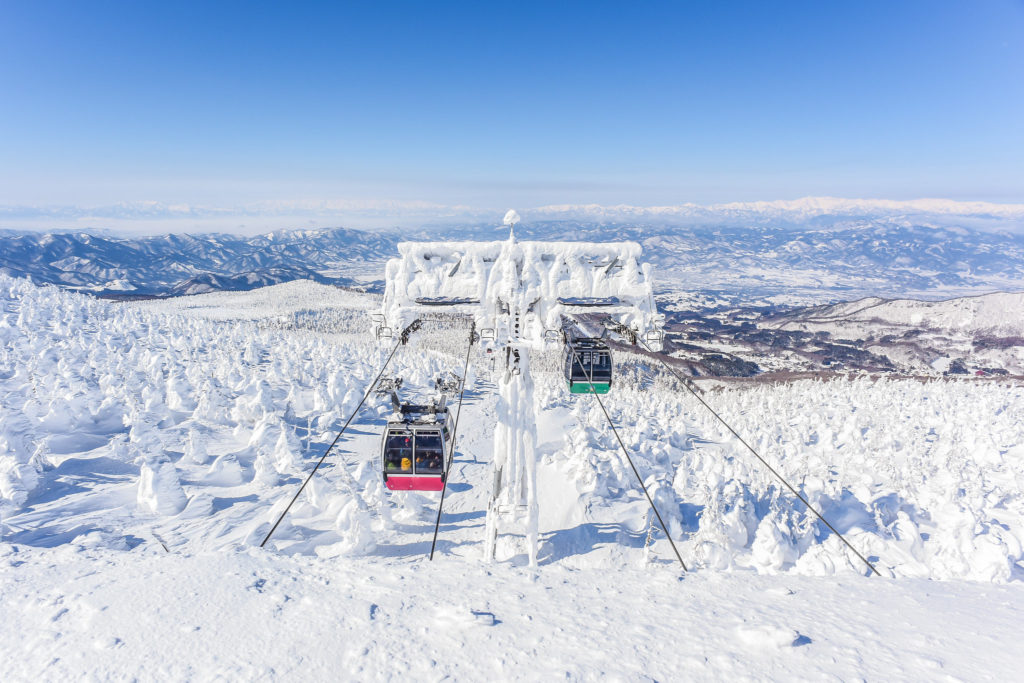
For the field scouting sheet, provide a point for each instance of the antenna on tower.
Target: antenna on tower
(511, 218)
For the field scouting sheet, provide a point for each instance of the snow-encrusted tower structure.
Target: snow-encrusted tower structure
(517, 293)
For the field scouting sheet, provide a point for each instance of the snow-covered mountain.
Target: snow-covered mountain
(187, 264)
(804, 211)
(846, 260)
(154, 216)
(991, 315)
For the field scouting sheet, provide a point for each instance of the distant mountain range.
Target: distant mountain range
(845, 260)
(171, 265)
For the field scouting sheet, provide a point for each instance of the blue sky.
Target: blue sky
(510, 104)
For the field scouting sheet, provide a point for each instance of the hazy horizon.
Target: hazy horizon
(151, 218)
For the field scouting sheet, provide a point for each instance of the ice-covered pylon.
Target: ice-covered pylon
(511, 218)
(514, 496)
(519, 294)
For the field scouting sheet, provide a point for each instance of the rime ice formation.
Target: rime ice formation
(517, 290)
(517, 294)
(923, 476)
(514, 496)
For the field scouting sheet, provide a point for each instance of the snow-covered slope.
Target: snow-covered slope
(145, 450)
(982, 334)
(1000, 314)
(77, 612)
(273, 303)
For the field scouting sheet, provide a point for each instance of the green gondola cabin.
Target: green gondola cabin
(588, 366)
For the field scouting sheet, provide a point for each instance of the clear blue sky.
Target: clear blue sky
(499, 104)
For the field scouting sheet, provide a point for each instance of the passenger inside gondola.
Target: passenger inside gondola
(429, 453)
(398, 454)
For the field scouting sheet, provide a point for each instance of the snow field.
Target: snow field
(925, 479)
(145, 452)
(296, 305)
(264, 302)
(134, 422)
(255, 615)
(138, 419)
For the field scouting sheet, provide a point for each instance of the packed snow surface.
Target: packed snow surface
(146, 449)
(250, 615)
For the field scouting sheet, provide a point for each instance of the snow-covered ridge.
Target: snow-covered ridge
(836, 259)
(290, 208)
(264, 303)
(177, 264)
(805, 207)
(998, 314)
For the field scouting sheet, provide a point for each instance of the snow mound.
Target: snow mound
(766, 636)
(160, 490)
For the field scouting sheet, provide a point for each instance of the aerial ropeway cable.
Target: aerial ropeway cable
(686, 383)
(369, 389)
(593, 390)
(455, 431)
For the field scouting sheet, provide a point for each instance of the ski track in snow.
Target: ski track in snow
(145, 450)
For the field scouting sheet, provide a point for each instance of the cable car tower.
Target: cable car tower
(518, 293)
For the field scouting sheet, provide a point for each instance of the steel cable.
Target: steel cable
(686, 383)
(455, 432)
(328, 451)
(590, 380)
